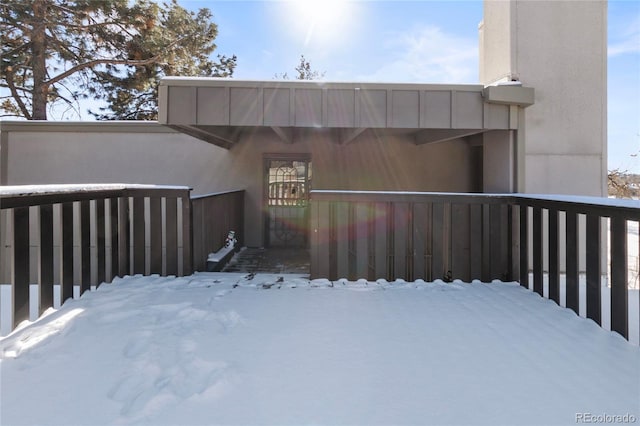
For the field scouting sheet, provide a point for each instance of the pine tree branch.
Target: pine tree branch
(93, 63)
(16, 96)
(22, 89)
(17, 49)
(16, 24)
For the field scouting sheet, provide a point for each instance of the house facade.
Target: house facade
(536, 123)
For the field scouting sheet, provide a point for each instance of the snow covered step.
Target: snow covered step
(217, 260)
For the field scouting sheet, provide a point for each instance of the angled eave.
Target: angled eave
(220, 110)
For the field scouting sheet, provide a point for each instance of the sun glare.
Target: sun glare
(320, 22)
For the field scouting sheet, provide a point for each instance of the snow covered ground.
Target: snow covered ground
(226, 348)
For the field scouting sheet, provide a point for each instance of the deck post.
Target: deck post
(524, 244)
(572, 252)
(619, 296)
(554, 264)
(45, 283)
(593, 267)
(20, 281)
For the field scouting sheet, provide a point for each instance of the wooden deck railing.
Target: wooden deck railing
(95, 233)
(161, 230)
(579, 216)
(133, 230)
(214, 215)
(432, 236)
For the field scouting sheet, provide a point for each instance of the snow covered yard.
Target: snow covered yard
(227, 348)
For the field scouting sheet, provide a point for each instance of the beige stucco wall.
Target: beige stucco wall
(498, 165)
(35, 153)
(559, 48)
(372, 162)
(68, 153)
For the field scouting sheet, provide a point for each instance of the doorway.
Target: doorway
(287, 185)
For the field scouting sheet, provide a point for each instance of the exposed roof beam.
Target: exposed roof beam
(205, 135)
(346, 136)
(284, 133)
(442, 135)
(228, 135)
(475, 140)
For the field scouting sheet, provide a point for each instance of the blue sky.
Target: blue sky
(408, 41)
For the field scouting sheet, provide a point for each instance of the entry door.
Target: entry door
(287, 185)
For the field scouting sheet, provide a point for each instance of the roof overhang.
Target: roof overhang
(220, 111)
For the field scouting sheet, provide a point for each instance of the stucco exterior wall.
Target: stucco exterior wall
(559, 48)
(69, 153)
(369, 163)
(34, 153)
(498, 162)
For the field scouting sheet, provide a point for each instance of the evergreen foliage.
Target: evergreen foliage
(57, 51)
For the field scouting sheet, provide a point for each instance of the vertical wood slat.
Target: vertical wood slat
(537, 251)
(187, 232)
(486, 254)
(381, 256)
(342, 239)
(67, 253)
(20, 282)
(438, 268)
(554, 260)
(45, 283)
(124, 239)
(200, 212)
(420, 226)
(510, 269)
(101, 241)
(593, 267)
(514, 240)
(115, 238)
(362, 240)
(572, 252)
(505, 241)
(333, 243)
(138, 236)
(351, 240)
(475, 241)
(171, 240)
(239, 215)
(460, 242)
(524, 245)
(315, 242)
(320, 244)
(198, 238)
(155, 228)
(428, 241)
(409, 251)
(401, 243)
(496, 237)
(85, 246)
(619, 295)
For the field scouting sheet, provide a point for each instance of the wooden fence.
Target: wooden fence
(161, 230)
(586, 216)
(100, 232)
(214, 215)
(432, 236)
